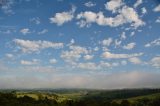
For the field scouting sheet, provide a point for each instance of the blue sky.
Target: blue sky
(107, 44)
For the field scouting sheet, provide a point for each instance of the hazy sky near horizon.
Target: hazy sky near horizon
(102, 44)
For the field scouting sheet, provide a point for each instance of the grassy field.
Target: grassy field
(59, 97)
(37, 95)
(151, 96)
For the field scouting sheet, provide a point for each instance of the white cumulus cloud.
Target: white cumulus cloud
(107, 42)
(158, 20)
(144, 10)
(129, 46)
(113, 5)
(155, 61)
(155, 42)
(157, 8)
(135, 60)
(32, 62)
(25, 31)
(63, 17)
(138, 2)
(28, 46)
(74, 53)
(42, 32)
(88, 57)
(108, 55)
(126, 15)
(90, 4)
(53, 61)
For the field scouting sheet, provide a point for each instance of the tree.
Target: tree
(125, 103)
(114, 103)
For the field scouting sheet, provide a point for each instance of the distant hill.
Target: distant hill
(80, 97)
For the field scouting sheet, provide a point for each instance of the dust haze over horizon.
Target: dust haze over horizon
(109, 44)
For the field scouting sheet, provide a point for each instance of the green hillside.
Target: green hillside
(81, 97)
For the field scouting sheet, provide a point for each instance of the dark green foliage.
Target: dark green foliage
(114, 104)
(125, 103)
(10, 99)
(120, 94)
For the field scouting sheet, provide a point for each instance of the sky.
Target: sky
(96, 44)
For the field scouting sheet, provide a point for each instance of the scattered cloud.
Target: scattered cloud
(132, 34)
(89, 17)
(96, 49)
(53, 61)
(108, 55)
(25, 31)
(126, 15)
(123, 62)
(35, 20)
(72, 41)
(115, 64)
(28, 46)
(8, 55)
(74, 54)
(117, 43)
(43, 32)
(138, 2)
(32, 62)
(131, 16)
(155, 61)
(88, 57)
(105, 65)
(87, 66)
(90, 4)
(107, 42)
(123, 36)
(63, 17)
(156, 42)
(98, 66)
(113, 5)
(129, 46)
(135, 60)
(144, 10)
(157, 9)
(158, 20)
(6, 6)
(8, 31)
